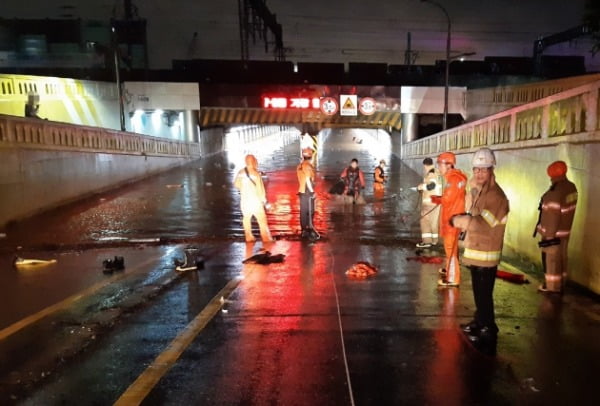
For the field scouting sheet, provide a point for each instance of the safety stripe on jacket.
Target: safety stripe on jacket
(551, 206)
(491, 219)
(486, 256)
(559, 233)
(571, 197)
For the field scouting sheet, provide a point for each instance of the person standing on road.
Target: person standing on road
(379, 178)
(557, 211)
(306, 190)
(253, 199)
(483, 227)
(453, 202)
(354, 181)
(430, 212)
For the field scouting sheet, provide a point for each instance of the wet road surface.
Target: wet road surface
(299, 332)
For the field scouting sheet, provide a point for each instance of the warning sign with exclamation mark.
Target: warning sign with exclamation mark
(349, 105)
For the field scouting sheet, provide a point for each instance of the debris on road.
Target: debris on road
(264, 259)
(361, 270)
(111, 265)
(191, 262)
(23, 263)
(511, 277)
(176, 186)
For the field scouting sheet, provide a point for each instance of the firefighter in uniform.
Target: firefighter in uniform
(379, 178)
(483, 227)
(557, 210)
(253, 199)
(306, 190)
(453, 202)
(430, 212)
(354, 181)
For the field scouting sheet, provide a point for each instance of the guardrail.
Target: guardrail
(43, 134)
(486, 101)
(572, 114)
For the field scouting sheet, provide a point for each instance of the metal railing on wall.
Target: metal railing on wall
(43, 134)
(573, 114)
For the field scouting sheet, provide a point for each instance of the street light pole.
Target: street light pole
(447, 75)
(115, 49)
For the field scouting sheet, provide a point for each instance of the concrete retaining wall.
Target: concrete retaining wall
(522, 175)
(44, 165)
(35, 180)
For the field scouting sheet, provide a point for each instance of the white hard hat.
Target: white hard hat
(307, 142)
(484, 158)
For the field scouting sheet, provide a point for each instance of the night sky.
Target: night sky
(338, 30)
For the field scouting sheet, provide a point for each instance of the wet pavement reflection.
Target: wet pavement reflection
(198, 202)
(298, 332)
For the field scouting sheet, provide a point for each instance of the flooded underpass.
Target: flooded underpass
(199, 202)
(297, 332)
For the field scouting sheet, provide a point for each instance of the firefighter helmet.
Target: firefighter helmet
(556, 169)
(484, 158)
(446, 158)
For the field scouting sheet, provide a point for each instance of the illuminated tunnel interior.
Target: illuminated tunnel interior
(382, 217)
(204, 204)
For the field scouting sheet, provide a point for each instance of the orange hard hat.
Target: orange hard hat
(556, 169)
(446, 158)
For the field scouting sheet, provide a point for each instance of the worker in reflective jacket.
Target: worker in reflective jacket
(252, 199)
(483, 227)
(379, 178)
(430, 212)
(557, 210)
(306, 191)
(453, 202)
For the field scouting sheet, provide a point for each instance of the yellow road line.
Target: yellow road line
(141, 387)
(13, 328)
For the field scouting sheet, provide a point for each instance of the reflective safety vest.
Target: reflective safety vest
(306, 177)
(485, 234)
(432, 179)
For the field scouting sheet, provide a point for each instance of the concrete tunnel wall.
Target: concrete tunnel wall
(33, 180)
(40, 178)
(522, 175)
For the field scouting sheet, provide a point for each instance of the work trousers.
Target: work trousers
(451, 250)
(430, 223)
(554, 261)
(307, 210)
(483, 280)
(258, 211)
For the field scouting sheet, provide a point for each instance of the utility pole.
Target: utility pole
(447, 73)
(115, 49)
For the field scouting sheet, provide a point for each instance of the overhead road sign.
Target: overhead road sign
(367, 106)
(329, 106)
(348, 105)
